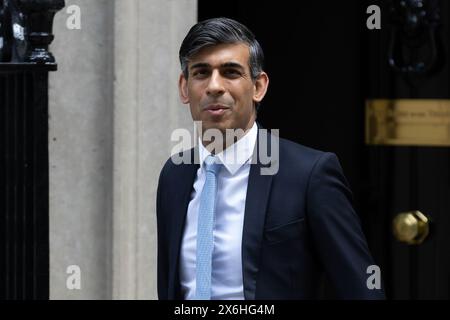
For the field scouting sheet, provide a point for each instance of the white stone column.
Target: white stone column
(146, 109)
(113, 106)
(80, 150)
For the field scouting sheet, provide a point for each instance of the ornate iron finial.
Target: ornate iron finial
(3, 41)
(5, 32)
(26, 30)
(39, 15)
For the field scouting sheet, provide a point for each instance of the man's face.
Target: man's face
(220, 90)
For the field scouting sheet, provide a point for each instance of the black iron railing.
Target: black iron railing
(25, 34)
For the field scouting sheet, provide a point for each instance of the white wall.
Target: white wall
(113, 105)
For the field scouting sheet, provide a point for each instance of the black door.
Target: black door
(409, 170)
(324, 65)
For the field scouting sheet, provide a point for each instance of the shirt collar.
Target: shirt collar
(236, 155)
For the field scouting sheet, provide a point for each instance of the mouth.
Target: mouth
(216, 109)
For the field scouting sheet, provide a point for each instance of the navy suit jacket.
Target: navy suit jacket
(299, 225)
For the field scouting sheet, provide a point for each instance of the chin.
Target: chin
(217, 124)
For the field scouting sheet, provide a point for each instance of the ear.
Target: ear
(183, 89)
(260, 87)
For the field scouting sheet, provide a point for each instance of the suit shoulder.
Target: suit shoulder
(172, 164)
(296, 150)
(299, 158)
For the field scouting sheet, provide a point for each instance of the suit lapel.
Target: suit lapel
(185, 179)
(258, 192)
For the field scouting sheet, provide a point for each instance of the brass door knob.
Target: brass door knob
(411, 227)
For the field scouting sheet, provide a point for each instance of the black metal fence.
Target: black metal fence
(25, 33)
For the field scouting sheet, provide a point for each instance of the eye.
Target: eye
(232, 73)
(200, 73)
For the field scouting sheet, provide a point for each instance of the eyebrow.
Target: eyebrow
(223, 65)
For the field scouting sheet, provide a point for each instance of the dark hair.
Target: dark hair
(218, 31)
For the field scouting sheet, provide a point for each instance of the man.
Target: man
(227, 231)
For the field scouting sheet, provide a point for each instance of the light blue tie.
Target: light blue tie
(205, 226)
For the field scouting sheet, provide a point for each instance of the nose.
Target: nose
(215, 84)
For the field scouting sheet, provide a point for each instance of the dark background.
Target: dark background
(323, 63)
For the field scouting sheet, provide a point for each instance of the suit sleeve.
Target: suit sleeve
(162, 266)
(337, 232)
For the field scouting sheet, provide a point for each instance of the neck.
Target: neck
(227, 138)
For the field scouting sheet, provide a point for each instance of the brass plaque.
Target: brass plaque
(408, 122)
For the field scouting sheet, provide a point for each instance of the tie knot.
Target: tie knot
(212, 164)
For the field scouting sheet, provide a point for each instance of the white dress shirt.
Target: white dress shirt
(232, 179)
